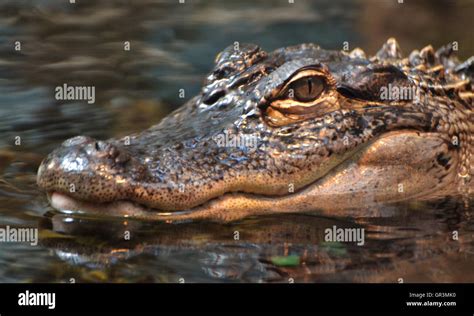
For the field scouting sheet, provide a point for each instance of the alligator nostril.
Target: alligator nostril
(213, 97)
(109, 151)
(102, 149)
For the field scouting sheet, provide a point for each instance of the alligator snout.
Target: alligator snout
(81, 152)
(84, 167)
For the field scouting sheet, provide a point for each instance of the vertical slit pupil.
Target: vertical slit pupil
(307, 89)
(310, 86)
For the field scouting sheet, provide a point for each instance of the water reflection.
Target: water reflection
(209, 252)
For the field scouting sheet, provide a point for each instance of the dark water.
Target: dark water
(172, 47)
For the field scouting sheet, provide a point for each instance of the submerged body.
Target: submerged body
(298, 129)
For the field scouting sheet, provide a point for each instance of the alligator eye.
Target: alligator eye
(306, 89)
(308, 93)
(302, 91)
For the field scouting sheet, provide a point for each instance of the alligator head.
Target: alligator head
(297, 129)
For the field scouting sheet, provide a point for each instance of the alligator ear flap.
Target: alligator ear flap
(389, 50)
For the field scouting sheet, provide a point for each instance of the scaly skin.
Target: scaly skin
(322, 136)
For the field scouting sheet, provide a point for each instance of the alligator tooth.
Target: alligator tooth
(389, 50)
(357, 53)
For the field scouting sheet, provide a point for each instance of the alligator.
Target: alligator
(299, 129)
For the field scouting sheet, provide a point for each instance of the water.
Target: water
(173, 47)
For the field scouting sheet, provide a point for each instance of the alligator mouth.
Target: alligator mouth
(241, 203)
(67, 204)
(120, 208)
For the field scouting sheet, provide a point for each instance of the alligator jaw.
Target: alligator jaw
(121, 208)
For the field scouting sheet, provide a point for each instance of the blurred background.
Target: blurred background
(172, 47)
